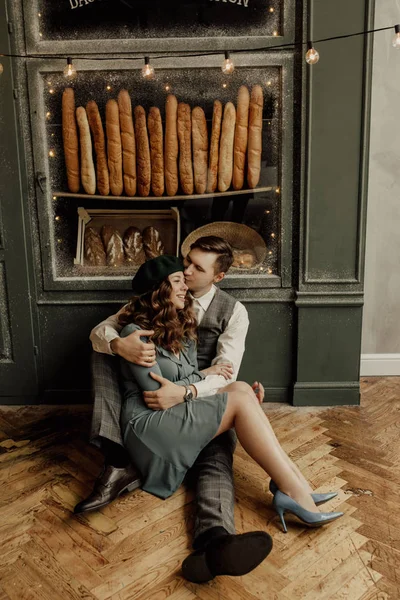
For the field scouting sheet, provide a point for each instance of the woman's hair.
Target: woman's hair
(217, 245)
(154, 310)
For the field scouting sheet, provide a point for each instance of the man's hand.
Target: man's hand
(168, 395)
(258, 389)
(224, 369)
(134, 350)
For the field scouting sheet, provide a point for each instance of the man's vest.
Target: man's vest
(214, 322)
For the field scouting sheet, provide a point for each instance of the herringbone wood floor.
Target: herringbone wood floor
(134, 547)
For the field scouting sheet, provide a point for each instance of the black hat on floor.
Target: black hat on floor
(151, 273)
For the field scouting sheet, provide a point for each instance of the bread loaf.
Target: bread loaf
(133, 246)
(212, 180)
(225, 169)
(128, 143)
(70, 139)
(156, 151)
(171, 146)
(113, 245)
(255, 137)
(241, 138)
(185, 147)
(114, 148)
(88, 174)
(243, 259)
(94, 252)
(200, 149)
(152, 243)
(142, 152)
(96, 127)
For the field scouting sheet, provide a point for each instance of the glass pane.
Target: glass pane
(124, 19)
(253, 214)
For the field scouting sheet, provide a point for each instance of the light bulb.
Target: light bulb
(396, 39)
(69, 71)
(148, 71)
(227, 66)
(312, 56)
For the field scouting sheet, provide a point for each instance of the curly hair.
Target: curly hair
(154, 310)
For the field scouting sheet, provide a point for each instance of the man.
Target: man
(222, 328)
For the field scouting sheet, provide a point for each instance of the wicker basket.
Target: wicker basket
(241, 237)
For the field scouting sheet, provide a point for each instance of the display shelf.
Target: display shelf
(166, 198)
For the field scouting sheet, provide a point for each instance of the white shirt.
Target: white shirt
(230, 346)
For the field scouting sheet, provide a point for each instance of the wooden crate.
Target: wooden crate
(166, 221)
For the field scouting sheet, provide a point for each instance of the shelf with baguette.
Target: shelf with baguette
(59, 194)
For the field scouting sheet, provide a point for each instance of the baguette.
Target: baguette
(171, 146)
(185, 148)
(200, 149)
(128, 143)
(241, 138)
(96, 127)
(114, 147)
(88, 174)
(142, 152)
(255, 137)
(156, 151)
(212, 180)
(225, 170)
(70, 139)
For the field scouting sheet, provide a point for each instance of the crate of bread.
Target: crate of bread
(164, 152)
(124, 239)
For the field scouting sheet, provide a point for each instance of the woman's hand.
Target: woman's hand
(224, 369)
(258, 389)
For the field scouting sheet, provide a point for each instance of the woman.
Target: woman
(164, 444)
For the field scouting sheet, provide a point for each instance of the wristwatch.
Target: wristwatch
(188, 394)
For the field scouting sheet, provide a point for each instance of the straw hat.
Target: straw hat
(239, 236)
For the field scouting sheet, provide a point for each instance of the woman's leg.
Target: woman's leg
(255, 433)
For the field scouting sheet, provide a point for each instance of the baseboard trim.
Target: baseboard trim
(380, 365)
(327, 393)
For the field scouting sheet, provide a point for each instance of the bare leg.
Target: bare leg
(255, 433)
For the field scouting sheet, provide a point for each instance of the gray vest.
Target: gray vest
(214, 323)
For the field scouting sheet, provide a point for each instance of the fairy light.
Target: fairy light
(57, 218)
(278, 190)
(273, 235)
(1, 69)
(227, 66)
(312, 56)
(269, 83)
(396, 39)
(271, 10)
(69, 71)
(52, 153)
(148, 70)
(167, 87)
(275, 33)
(224, 85)
(54, 197)
(51, 91)
(108, 88)
(270, 271)
(48, 115)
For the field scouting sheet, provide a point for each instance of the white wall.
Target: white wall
(381, 325)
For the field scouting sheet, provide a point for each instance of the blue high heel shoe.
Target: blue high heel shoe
(318, 498)
(283, 503)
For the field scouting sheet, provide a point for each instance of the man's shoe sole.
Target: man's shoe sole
(232, 555)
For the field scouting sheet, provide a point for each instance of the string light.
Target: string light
(48, 115)
(396, 39)
(271, 10)
(57, 218)
(51, 91)
(275, 33)
(1, 68)
(108, 88)
(312, 56)
(227, 66)
(69, 71)
(52, 153)
(148, 71)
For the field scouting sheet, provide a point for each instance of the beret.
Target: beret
(152, 272)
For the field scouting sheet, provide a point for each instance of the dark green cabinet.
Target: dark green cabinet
(305, 336)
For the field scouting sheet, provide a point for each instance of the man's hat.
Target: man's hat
(151, 273)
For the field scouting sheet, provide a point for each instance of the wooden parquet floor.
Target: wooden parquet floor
(134, 547)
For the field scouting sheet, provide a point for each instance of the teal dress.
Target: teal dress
(164, 444)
